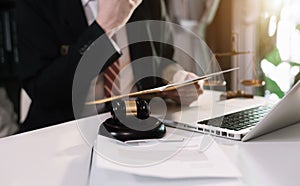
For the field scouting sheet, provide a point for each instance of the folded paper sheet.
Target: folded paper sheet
(195, 157)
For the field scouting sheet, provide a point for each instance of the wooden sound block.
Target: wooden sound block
(134, 129)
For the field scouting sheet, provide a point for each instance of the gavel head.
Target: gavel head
(131, 120)
(130, 107)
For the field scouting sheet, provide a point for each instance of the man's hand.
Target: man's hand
(187, 94)
(113, 14)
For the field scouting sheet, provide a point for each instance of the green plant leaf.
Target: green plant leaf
(274, 57)
(298, 27)
(273, 87)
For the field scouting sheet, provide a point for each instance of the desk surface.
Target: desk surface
(60, 155)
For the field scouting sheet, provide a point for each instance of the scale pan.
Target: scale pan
(253, 83)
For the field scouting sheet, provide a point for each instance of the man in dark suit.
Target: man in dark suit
(53, 35)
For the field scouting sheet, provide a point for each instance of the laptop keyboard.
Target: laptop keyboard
(239, 120)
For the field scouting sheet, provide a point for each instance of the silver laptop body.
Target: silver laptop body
(251, 122)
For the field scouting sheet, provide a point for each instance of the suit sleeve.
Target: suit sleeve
(46, 75)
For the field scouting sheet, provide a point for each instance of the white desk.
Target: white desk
(60, 156)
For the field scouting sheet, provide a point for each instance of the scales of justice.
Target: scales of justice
(245, 82)
(196, 15)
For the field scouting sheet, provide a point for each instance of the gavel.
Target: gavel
(131, 107)
(131, 120)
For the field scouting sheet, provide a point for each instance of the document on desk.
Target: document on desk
(198, 157)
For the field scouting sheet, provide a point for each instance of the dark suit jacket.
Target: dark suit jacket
(47, 73)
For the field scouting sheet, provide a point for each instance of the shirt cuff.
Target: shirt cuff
(180, 76)
(169, 73)
(117, 48)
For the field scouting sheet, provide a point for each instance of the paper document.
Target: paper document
(165, 88)
(198, 157)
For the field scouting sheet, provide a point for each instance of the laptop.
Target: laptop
(251, 122)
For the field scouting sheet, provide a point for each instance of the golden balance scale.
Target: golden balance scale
(249, 83)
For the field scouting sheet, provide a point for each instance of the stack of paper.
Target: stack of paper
(193, 157)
